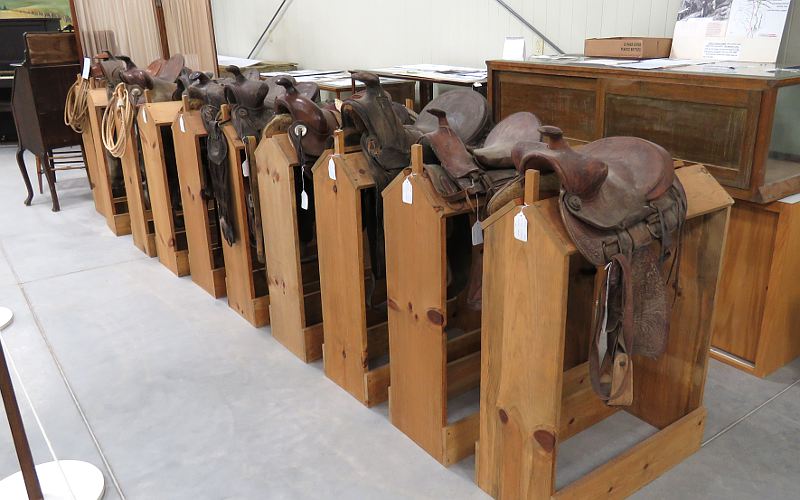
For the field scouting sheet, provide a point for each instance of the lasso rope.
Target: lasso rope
(117, 121)
(76, 109)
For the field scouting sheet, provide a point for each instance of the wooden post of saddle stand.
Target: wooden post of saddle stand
(530, 404)
(199, 214)
(245, 277)
(114, 208)
(142, 227)
(155, 122)
(356, 338)
(90, 157)
(427, 368)
(294, 295)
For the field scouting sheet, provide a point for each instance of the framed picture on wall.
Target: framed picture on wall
(58, 9)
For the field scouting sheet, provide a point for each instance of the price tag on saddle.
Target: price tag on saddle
(332, 169)
(246, 168)
(87, 64)
(408, 191)
(181, 124)
(521, 226)
(477, 234)
(304, 200)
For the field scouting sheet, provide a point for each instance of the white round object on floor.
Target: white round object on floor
(85, 482)
(6, 317)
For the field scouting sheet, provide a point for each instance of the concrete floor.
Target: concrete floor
(174, 396)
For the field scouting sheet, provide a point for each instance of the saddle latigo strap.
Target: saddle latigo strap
(624, 208)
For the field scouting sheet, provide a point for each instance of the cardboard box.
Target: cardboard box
(626, 47)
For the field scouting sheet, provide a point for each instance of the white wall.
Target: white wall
(349, 34)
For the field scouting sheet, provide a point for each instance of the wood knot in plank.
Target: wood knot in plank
(546, 440)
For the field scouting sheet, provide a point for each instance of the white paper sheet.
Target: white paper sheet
(236, 61)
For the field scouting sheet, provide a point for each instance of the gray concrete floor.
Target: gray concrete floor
(174, 396)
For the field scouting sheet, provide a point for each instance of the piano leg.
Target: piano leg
(24, 172)
(50, 174)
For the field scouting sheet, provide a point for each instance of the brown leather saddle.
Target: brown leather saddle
(456, 173)
(624, 208)
(159, 77)
(311, 133)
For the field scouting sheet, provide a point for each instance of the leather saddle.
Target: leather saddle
(624, 208)
(456, 173)
(246, 97)
(159, 77)
(313, 126)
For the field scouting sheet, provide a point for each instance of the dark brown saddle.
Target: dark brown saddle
(313, 126)
(468, 115)
(246, 94)
(456, 174)
(624, 208)
(496, 149)
(160, 77)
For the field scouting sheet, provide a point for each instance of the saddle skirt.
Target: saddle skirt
(624, 209)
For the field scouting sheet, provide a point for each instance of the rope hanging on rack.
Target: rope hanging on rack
(117, 121)
(76, 109)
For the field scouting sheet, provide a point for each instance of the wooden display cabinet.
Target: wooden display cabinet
(356, 344)
(293, 279)
(143, 229)
(742, 126)
(757, 326)
(203, 236)
(532, 400)
(245, 276)
(113, 205)
(158, 155)
(429, 366)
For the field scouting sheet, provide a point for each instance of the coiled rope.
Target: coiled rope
(76, 109)
(117, 121)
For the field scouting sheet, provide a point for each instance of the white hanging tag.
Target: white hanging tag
(332, 169)
(338, 103)
(408, 191)
(477, 234)
(304, 200)
(246, 168)
(144, 114)
(181, 124)
(87, 64)
(521, 227)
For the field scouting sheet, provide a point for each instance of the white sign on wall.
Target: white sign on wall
(730, 30)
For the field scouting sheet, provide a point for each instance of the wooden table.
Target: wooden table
(739, 122)
(427, 79)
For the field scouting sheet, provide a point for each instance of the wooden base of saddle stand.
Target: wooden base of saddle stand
(114, 208)
(245, 278)
(427, 367)
(199, 214)
(356, 345)
(143, 229)
(155, 128)
(294, 286)
(529, 404)
(758, 311)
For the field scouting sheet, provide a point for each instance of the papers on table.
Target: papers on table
(438, 72)
(656, 63)
(300, 72)
(644, 64)
(791, 199)
(236, 61)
